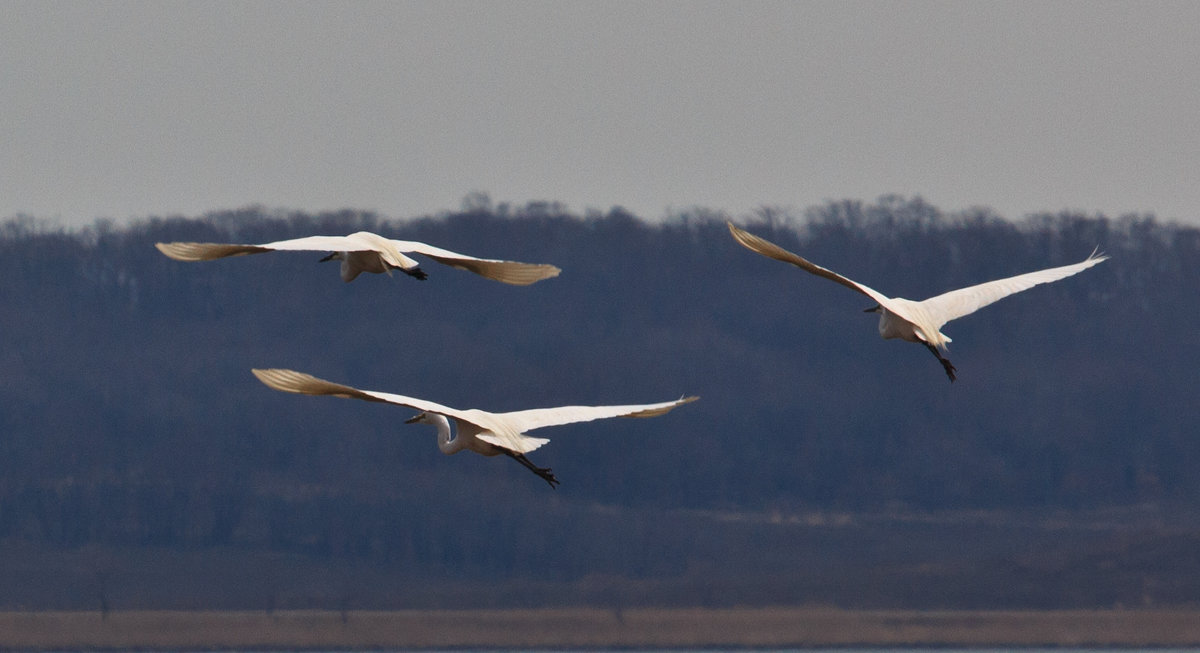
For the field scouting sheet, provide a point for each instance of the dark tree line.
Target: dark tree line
(128, 415)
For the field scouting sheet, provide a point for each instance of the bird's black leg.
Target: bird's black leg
(544, 472)
(415, 271)
(946, 365)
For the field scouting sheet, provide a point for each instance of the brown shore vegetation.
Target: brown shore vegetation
(593, 628)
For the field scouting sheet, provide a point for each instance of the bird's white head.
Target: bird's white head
(447, 443)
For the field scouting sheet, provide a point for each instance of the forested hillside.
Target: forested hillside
(129, 417)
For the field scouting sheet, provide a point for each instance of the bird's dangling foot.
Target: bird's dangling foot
(949, 367)
(544, 472)
(946, 364)
(415, 272)
(548, 475)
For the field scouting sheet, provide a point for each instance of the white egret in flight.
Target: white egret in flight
(485, 433)
(364, 251)
(921, 321)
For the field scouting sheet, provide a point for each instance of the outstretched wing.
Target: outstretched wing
(964, 301)
(499, 432)
(527, 420)
(184, 251)
(207, 251)
(510, 272)
(771, 250)
(210, 251)
(306, 384)
(361, 241)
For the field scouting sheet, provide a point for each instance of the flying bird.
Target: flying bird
(922, 321)
(364, 251)
(488, 434)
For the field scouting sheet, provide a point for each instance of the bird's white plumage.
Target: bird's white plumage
(771, 250)
(921, 321)
(536, 418)
(511, 272)
(964, 301)
(931, 314)
(390, 252)
(505, 430)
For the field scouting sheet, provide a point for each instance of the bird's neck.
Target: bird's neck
(447, 443)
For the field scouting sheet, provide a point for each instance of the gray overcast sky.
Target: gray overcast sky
(123, 109)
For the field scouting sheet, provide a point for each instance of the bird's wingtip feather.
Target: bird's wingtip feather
(274, 377)
(171, 250)
(1097, 255)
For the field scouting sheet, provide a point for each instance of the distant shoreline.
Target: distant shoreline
(594, 628)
